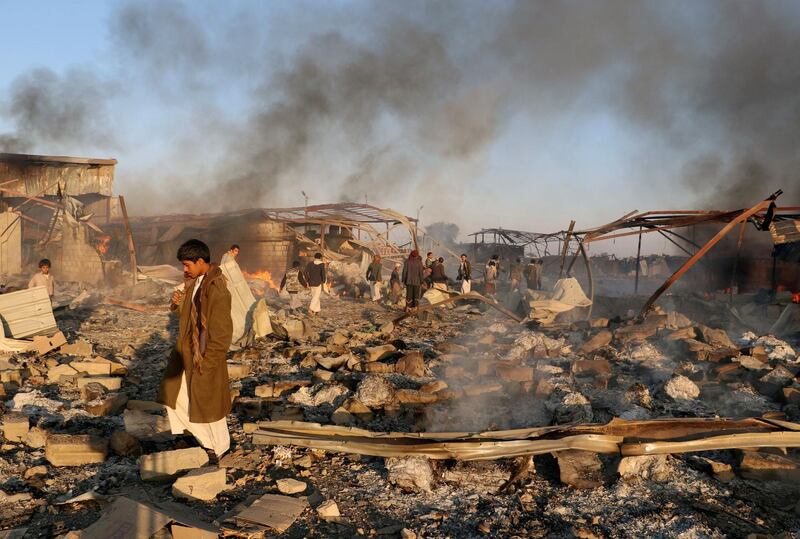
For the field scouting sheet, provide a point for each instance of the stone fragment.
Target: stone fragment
(580, 469)
(764, 466)
(332, 363)
(15, 427)
(92, 391)
(111, 383)
(321, 376)
(772, 383)
(598, 322)
(125, 445)
(717, 338)
(411, 364)
(111, 405)
(514, 373)
(43, 344)
(92, 368)
(75, 449)
(145, 426)
(36, 438)
(291, 486)
(377, 353)
(339, 339)
(650, 467)
(203, 484)
(78, 348)
(599, 340)
(328, 509)
(237, 371)
(54, 374)
(377, 367)
(791, 395)
(375, 391)
(411, 474)
(680, 388)
(752, 364)
(35, 471)
(166, 465)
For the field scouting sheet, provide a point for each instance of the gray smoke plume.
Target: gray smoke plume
(56, 113)
(402, 103)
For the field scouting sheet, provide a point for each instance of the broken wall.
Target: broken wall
(77, 260)
(10, 244)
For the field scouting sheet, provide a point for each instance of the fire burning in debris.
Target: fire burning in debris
(796, 297)
(102, 244)
(262, 275)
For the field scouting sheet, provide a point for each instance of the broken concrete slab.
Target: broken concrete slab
(772, 383)
(43, 344)
(237, 371)
(411, 396)
(411, 474)
(328, 509)
(332, 363)
(203, 484)
(92, 368)
(166, 465)
(124, 444)
(580, 469)
(75, 449)
(78, 348)
(274, 511)
(55, 374)
(110, 405)
(290, 486)
(36, 438)
(111, 383)
(514, 373)
(599, 340)
(377, 353)
(15, 427)
(146, 426)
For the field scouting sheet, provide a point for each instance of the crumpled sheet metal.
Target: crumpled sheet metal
(647, 437)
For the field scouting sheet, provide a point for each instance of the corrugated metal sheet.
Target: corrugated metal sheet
(44, 177)
(787, 231)
(26, 313)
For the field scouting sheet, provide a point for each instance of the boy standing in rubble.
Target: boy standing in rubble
(315, 277)
(195, 388)
(44, 278)
(294, 281)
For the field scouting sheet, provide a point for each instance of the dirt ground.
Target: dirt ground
(686, 501)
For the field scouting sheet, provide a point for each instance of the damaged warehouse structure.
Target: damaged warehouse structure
(517, 416)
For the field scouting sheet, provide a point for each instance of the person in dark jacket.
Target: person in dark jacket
(374, 277)
(315, 278)
(438, 276)
(465, 275)
(533, 274)
(294, 281)
(413, 275)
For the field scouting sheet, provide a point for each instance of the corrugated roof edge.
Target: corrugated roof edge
(63, 159)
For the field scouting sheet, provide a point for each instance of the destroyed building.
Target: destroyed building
(53, 208)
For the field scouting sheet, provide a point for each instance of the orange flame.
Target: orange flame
(262, 275)
(796, 297)
(102, 244)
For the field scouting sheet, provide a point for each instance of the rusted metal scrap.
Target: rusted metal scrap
(647, 437)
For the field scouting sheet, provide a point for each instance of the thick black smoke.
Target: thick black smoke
(383, 101)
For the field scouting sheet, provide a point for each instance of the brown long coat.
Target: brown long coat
(209, 390)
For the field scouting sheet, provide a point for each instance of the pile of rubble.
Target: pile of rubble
(86, 448)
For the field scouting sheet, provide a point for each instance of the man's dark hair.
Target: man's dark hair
(194, 250)
(296, 264)
(429, 253)
(234, 246)
(463, 254)
(45, 262)
(441, 259)
(495, 257)
(318, 256)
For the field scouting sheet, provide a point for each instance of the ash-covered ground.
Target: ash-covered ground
(466, 368)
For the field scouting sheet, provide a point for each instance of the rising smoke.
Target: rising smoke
(412, 100)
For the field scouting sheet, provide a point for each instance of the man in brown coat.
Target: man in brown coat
(195, 387)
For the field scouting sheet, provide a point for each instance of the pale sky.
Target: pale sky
(520, 115)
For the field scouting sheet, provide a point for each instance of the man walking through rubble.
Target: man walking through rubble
(293, 281)
(231, 254)
(465, 275)
(315, 278)
(413, 275)
(195, 388)
(374, 277)
(438, 275)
